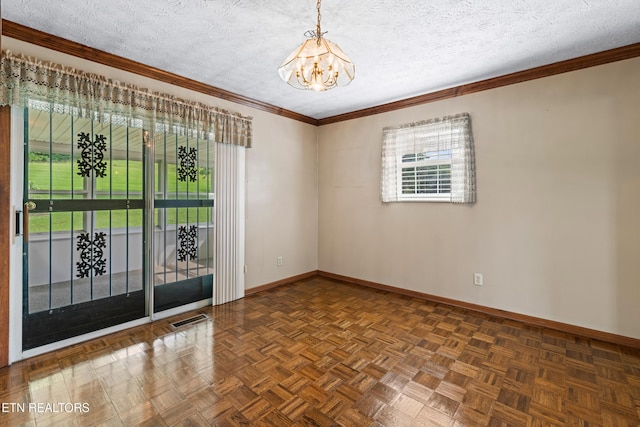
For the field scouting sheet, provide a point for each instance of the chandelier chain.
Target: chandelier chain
(318, 31)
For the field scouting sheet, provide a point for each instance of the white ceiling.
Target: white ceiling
(400, 48)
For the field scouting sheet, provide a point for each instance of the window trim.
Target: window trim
(446, 140)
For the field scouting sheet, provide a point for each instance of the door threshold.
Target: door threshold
(113, 329)
(182, 309)
(82, 338)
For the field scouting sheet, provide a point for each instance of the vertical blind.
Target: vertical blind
(230, 219)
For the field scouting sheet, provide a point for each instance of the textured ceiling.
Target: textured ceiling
(400, 48)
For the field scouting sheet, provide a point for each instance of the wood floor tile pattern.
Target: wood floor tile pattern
(325, 353)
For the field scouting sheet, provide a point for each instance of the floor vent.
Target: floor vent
(189, 321)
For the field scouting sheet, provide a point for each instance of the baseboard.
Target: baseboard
(531, 320)
(281, 282)
(524, 318)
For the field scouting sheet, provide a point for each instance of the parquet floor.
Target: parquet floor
(325, 353)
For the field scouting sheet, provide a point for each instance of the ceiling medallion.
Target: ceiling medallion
(317, 64)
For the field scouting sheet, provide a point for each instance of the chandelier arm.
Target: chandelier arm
(300, 77)
(330, 81)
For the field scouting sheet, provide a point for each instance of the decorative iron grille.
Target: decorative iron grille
(92, 155)
(91, 255)
(187, 167)
(188, 239)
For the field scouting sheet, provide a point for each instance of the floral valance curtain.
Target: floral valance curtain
(24, 80)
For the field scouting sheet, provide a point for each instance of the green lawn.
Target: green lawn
(121, 179)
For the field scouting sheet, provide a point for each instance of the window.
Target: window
(426, 175)
(429, 161)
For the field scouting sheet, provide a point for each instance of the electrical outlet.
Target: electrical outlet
(477, 279)
(279, 261)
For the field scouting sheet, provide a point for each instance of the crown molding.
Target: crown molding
(592, 60)
(30, 35)
(49, 41)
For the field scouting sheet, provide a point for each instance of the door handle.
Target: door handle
(25, 219)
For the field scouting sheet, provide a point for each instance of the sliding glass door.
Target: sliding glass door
(183, 219)
(96, 231)
(84, 181)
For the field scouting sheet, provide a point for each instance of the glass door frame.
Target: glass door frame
(17, 351)
(67, 320)
(169, 297)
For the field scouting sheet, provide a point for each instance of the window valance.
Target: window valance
(24, 79)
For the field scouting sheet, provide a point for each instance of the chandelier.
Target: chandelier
(317, 64)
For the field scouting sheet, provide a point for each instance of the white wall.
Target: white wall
(556, 229)
(282, 195)
(282, 191)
